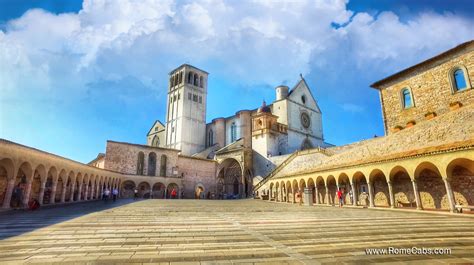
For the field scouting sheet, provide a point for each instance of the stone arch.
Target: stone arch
(295, 187)
(289, 192)
(127, 189)
(78, 186)
(144, 190)
(151, 164)
(460, 173)
(380, 188)
(159, 190)
(6, 174)
(190, 77)
(321, 190)
(61, 191)
(302, 186)
(169, 190)
(431, 186)
(361, 188)
(39, 176)
(230, 179)
(282, 191)
(402, 187)
(345, 186)
(22, 178)
(332, 188)
(196, 80)
(312, 187)
(201, 82)
(49, 186)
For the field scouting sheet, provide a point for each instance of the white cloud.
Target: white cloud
(252, 42)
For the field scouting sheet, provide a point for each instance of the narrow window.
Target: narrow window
(406, 99)
(200, 99)
(190, 77)
(201, 83)
(459, 80)
(180, 77)
(233, 132)
(152, 164)
(163, 165)
(196, 80)
(210, 138)
(195, 98)
(140, 163)
(171, 81)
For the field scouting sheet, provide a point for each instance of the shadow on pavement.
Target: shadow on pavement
(17, 222)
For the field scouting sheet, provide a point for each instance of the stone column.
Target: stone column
(354, 194)
(63, 193)
(316, 194)
(79, 191)
(371, 194)
(8, 193)
(417, 195)
(86, 192)
(449, 192)
(390, 194)
(26, 193)
(308, 197)
(41, 194)
(328, 196)
(71, 194)
(52, 199)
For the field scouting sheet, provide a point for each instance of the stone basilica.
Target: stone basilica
(424, 161)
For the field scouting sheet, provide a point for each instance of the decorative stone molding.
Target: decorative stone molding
(410, 124)
(455, 105)
(430, 115)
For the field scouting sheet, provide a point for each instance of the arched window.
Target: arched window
(171, 81)
(407, 100)
(140, 163)
(303, 99)
(176, 80)
(459, 80)
(196, 80)
(155, 141)
(233, 132)
(201, 83)
(180, 77)
(190, 77)
(210, 139)
(151, 164)
(163, 165)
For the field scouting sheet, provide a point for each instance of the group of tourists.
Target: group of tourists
(107, 192)
(340, 197)
(173, 194)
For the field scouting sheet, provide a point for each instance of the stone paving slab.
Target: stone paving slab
(227, 232)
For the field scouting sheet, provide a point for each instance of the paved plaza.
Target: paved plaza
(216, 232)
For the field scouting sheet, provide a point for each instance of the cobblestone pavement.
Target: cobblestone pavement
(225, 232)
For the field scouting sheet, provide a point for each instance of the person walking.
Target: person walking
(106, 194)
(114, 194)
(173, 194)
(339, 196)
(135, 194)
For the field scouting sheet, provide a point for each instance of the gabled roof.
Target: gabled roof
(154, 124)
(303, 82)
(235, 146)
(432, 61)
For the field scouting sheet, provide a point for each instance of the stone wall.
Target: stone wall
(431, 90)
(197, 173)
(123, 157)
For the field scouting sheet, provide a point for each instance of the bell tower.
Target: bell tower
(186, 109)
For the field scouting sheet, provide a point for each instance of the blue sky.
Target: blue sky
(74, 74)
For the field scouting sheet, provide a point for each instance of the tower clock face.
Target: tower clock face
(305, 120)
